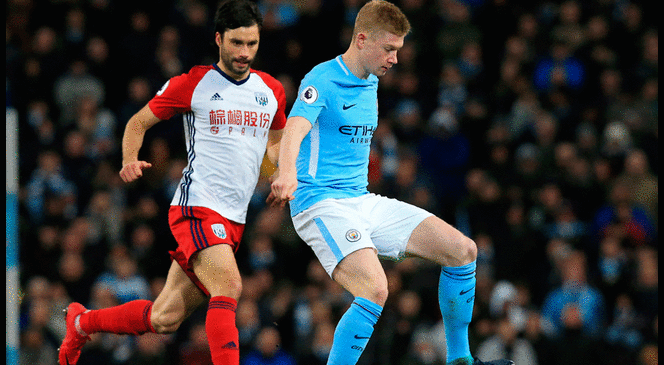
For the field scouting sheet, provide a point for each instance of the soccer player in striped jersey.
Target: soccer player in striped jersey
(323, 175)
(233, 115)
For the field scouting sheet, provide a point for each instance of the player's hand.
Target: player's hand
(282, 189)
(133, 170)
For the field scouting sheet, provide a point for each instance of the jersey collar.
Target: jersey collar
(234, 81)
(344, 68)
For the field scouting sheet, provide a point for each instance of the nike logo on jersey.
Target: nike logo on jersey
(465, 291)
(346, 107)
(216, 96)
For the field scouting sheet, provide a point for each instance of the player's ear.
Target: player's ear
(360, 40)
(217, 39)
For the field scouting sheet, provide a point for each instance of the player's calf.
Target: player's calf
(166, 320)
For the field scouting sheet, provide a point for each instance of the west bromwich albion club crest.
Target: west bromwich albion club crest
(219, 230)
(261, 98)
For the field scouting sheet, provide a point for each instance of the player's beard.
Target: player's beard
(232, 66)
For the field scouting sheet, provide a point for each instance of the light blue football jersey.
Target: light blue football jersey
(334, 156)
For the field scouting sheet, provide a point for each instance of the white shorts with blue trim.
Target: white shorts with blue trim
(335, 228)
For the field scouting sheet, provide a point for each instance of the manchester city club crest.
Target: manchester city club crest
(353, 235)
(261, 98)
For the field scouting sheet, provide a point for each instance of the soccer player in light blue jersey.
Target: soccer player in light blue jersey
(323, 167)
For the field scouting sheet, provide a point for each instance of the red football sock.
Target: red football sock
(132, 318)
(221, 331)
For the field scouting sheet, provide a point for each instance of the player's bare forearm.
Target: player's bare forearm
(132, 140)
(294, 132)
(285, 184)
(273, 144)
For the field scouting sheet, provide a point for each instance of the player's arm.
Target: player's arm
(132, 140)
(285, 184)
(273, 143)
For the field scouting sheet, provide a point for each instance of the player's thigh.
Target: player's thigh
(333, 228)
(436, 240)
(217, 269)
(362, 274)
(392, 223)
(177, 300)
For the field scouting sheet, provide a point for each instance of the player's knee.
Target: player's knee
(165, 322)
(378, 293)
(468, 251)
(228, 287)
(381, 294)
(235, 288)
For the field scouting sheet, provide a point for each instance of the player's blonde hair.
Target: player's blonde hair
(380, 15)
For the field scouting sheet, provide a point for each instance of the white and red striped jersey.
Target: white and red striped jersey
(226, 124)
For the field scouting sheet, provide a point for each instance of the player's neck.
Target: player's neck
(352, 60)
(233, 75)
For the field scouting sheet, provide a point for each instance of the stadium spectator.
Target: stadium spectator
(320, 345)
(444, 155)
(49, 194)
(75, 275)
(78, 165)
(137, 42)
(50, 59)
(613, 268)
(105, 218)
(72, 88)
(123, 278)
(506, 343)
(75, 32)
(34, 348)
(103, 65)
(38, 250)
(196, 351)
(646, 283)
(44, 133)
(150, 349)
(248, 322)
(267, 350)
(641, 183)
(138, 94)
(542, 345)
(574, 345)
(560, 69)
(574, 300)
(622, 217)
(624, 329)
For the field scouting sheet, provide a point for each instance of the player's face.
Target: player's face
(381, 52)
(237, 50)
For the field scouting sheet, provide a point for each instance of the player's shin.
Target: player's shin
(353, 332)
(131, 318)
(456, 297)
(222, 332)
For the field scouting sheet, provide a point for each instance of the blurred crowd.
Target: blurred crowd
(531, 126)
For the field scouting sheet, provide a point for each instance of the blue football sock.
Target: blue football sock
(456, 296)
(353, 332)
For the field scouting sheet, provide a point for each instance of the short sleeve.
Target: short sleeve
(279, 120)
(175, 96)
(310, 101)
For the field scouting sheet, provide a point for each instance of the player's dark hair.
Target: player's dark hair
(234, 14)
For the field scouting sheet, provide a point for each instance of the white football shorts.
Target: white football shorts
(334, 228)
